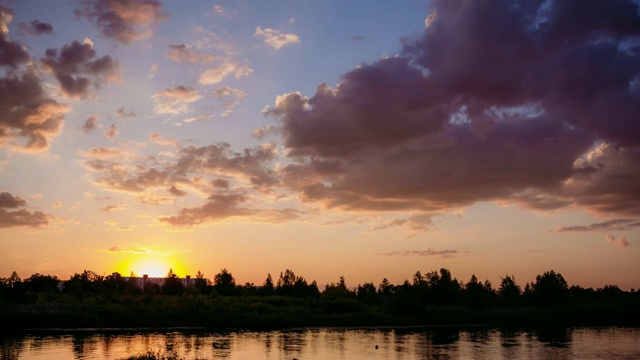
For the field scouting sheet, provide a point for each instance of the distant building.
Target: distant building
(145, 280)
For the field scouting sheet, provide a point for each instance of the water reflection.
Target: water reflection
(353, 344)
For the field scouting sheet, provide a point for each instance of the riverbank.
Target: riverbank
(275, 312)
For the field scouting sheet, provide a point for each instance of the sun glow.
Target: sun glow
(154, 267)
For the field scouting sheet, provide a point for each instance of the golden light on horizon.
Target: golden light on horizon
(154, 267)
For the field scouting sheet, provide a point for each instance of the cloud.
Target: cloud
(218, 10)
(414, 224)
(225, 206)
(429, 252)
(263, 131)
(609, 225)
(160, 140)
(181, 53)
(57, 204)
(133, 250)
(175, 100)
(229, 97)
(216, 74)
(20, 217)
(153, 70)
(36, 27)
(123, 20)
(28, 113)
(530, 105)
(111, 132)
(90, 124)
(275, 38)
(620, 241)
(118, 227)
(10, 201)
(103, 153)
(12, 54)
(122, 114)
(173, 190)
(198, 118)
(114, 207)
(218, 207)
(76, 71)
(251, 167)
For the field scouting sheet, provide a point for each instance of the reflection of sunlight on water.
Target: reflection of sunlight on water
(353, 344)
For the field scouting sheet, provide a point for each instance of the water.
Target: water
(356, 344)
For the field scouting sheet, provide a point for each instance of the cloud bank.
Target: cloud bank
(531, 103)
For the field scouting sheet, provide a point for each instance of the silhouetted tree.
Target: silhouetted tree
(172, 284)
(224, 283)
(509, 293)
(41, 283)
(444, 288)
(367, 293)
(285, 283)
(267, 288)
(477, 294)
(200, 283)
(86, 284)
(337, 290)
(385, 288)
(610, 293)
(550, 289)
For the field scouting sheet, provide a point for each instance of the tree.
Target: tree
(286, 282)
(224, 283)
(172, 284)
(200, 282)
(366, 293)
(509, 293)
(41, 283)
(550, 289)
(267, 287)
(477, 294)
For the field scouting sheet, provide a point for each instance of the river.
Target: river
(316, 344)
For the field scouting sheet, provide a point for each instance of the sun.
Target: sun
(152, 266)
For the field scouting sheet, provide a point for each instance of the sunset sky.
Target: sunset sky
(364, 139)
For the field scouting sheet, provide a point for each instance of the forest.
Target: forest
(435, 298)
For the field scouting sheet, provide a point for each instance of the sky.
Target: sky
(361, 139)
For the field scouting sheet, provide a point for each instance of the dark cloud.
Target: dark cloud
(123, 20)
(222, 206)
(173, 190)
(90, 124)
(12, 53)
(9, 201)
(219, 206)
(609, 225)
(496, 101)
(36, 27)
(20, 217)
(27, 112)
(76, 70)
(429, 252)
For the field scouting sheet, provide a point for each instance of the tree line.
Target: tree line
(435, 288)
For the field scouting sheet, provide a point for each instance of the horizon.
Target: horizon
(487, 138)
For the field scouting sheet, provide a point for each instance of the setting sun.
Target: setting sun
(154, 267)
